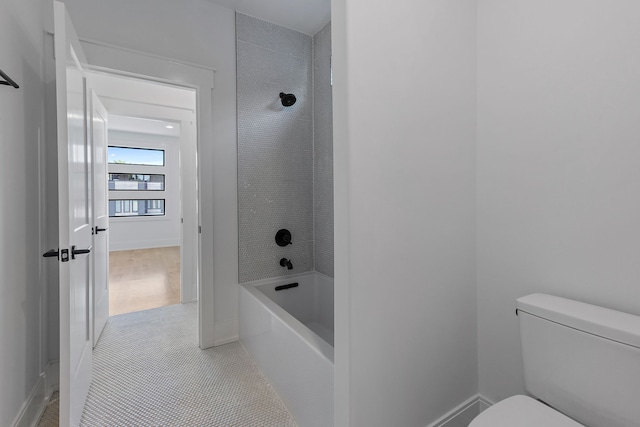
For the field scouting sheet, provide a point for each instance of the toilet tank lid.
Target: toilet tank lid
(606, 323)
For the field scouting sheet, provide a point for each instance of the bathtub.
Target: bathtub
(289, 334)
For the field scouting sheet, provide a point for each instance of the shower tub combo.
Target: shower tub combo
(286, 325)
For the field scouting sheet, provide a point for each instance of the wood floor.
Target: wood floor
(143, 278)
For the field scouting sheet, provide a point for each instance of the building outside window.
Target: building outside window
(132, 175)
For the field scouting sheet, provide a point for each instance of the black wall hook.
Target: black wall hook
(7, 80)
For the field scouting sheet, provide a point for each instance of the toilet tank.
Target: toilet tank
(581, 359)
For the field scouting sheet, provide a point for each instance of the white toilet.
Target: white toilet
(581, 360)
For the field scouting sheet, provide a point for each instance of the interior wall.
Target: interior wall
(275, 148)
(149, 232)
(23, 331)
(322, 153)
(197, 32)
(558, 155)
(404, 174)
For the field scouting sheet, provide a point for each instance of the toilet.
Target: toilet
(581, 363)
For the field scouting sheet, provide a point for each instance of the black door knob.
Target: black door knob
(75, 251)
(52, 253)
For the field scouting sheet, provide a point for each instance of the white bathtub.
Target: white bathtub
(289, 333)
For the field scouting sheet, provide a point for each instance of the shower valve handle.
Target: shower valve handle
(283, 237)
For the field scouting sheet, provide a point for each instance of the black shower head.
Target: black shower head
(288, 99)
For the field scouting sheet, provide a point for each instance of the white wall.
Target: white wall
(404, 152)
(149, 232)
(558, 155)
(23, 334)
(199, 32)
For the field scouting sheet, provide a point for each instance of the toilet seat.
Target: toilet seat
(522, 411)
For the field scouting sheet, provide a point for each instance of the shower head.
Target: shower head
(288, 99)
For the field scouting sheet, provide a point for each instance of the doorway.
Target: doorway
(72, 100)
(143, 175)
(151, 180)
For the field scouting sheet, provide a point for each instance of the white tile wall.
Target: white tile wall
(275, 148)
(285, 154)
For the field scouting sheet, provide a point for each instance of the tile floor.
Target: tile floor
(149, 371)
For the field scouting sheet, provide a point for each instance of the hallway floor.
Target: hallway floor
(51, 413)
(143, 278)
(149, 371)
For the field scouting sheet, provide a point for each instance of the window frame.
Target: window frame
(164, 156)
(137, 202)
(163, 175)
(137, 169)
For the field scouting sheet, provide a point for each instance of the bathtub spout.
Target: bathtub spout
(286, 263)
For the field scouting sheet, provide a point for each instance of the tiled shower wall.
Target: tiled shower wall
(323, 152)
(276, 151)
(275, 148)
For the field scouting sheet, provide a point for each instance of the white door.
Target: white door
(74, 208)
(100, 217)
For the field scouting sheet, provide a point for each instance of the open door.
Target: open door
(75, 216)
(101, 217)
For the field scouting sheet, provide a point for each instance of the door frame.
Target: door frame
(126, 63)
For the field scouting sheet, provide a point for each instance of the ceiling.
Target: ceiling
(306, 16)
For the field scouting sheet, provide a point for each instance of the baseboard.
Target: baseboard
(226, 332)
(484, 403)
(38, 397)
(52, 378)
(461, 415)
(32, 407)
(142, 244)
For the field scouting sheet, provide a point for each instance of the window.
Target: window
(136, 182)
(135, 156)
(139, 207)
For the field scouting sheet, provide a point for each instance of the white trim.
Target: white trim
(461, 415)
(52, 378)
(139, 52)
(33, 407)
(342, 374)
(152, 104)
(150, 55)
(226, 332)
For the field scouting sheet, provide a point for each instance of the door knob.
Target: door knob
(75, 251)
(52, 253)
(98, 229)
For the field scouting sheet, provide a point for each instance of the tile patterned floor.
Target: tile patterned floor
(149, 371)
